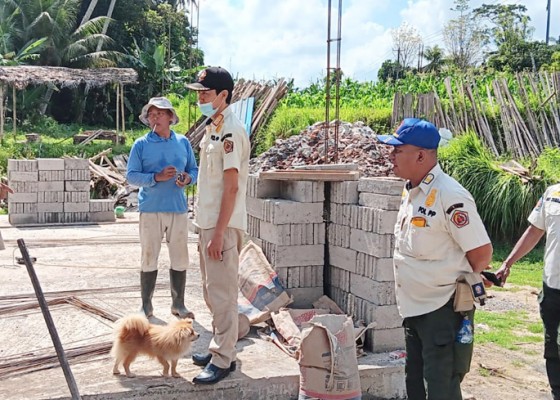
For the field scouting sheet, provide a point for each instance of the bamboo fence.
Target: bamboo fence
(507, 120)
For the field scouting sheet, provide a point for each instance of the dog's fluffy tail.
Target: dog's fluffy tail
(131, 328)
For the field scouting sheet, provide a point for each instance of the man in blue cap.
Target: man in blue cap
(439, 239)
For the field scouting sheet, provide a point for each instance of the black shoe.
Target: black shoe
(212, 374)
(201, 359)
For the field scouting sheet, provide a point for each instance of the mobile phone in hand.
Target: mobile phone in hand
(492, 278)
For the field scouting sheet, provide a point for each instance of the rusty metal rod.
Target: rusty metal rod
(49, 321)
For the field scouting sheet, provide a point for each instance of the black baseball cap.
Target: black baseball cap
(213, 78)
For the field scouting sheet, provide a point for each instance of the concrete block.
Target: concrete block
(374, 244)
(293, 256)
(385, 221)
(22, 165)
(382, 201)
(50, 197)
(50, 186)
(22, 208)
(22, 197)
(388, 384)
(50, 207)
(25, 187)
(378, 269)
(76, 163)
(308, 276)
(102, 216)
(366, 219)
(75, 217)
(101, 205)
(22, 176)
(339, 278)
(378, 293)
(77, 175)
(76, 207)
(303, 191)
(263, 188)
(386, 317)
(77, 186)
(50, 217)
(79, 197)
(292, 234)
(287, 212)
(304, 297)
(383, 340)
(379, 185)
(339, 235)
(50, 164)
(22, 219)
(46, 176)
(344, 192)
(255, 207)
(253, 226)
(343, 258)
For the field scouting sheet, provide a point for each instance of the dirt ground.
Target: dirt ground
(498, 373)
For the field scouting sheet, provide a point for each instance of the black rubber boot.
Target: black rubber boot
(177, 281)
(147, 287)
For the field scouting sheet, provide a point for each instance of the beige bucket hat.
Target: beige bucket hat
(159, 102)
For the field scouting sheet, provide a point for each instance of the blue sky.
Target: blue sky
(266, 39)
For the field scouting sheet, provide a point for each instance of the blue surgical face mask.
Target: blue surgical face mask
(207, 109)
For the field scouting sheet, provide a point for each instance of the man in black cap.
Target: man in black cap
(439, 239)
(221, 217)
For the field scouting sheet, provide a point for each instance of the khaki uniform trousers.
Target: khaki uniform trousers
(219, 287)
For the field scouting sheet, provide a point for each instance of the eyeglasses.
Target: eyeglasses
(153, 114)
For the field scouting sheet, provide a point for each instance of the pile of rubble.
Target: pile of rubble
(357, 144)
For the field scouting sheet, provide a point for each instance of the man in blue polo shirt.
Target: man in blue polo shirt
(162, 163)
(439, 239)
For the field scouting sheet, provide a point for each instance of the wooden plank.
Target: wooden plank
(303, 175)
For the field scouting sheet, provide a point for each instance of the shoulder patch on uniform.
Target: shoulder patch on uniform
(539, 205)
(454, 207)
(228, 146)
(428, 179)
(460, 218)
(226, 136)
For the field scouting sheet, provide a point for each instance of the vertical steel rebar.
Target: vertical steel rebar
(328, 86)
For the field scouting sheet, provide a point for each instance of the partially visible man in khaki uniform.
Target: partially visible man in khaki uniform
(221, 217)
(439, 236)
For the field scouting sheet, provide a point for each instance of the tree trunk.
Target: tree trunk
(106, 25)
(89, 11)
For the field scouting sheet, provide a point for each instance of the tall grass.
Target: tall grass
(503, 199)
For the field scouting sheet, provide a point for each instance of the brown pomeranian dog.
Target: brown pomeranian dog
(136, 335)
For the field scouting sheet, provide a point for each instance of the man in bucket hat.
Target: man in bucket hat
(439, 238)
(221, 217)
(162, 163)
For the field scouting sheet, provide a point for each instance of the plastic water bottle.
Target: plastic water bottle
(465, 333)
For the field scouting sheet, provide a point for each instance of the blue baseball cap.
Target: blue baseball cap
(414, 131)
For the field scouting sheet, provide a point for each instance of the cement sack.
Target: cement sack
(327, 360)
(260, 291)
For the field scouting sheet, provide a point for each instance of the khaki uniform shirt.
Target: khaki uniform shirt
(436, 225)
(225, 145)
(546, 216)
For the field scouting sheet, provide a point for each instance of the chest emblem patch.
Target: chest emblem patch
(460, 218)
(228, 146)
(418, 221)
(431, 199)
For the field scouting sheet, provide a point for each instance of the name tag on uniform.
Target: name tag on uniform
(418, 221)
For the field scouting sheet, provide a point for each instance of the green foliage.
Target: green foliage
(503, 199)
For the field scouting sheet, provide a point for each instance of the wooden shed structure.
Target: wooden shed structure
(21, 76)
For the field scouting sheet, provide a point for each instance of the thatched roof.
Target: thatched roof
(23, 75)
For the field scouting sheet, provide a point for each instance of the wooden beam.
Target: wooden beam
(310, 175)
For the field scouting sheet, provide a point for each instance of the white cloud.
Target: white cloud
(263, 39)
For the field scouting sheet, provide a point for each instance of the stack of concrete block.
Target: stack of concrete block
(53, 190)
(285, 218)
(360, 235)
